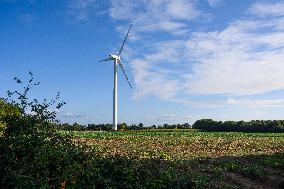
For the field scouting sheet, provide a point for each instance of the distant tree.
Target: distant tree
(122, 126)
(77, 127)
(140, 125)
(153, 127)
(186, 126)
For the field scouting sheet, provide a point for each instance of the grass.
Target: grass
(209, 159)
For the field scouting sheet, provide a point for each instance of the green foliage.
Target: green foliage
(122, 126)
(7, 110)
(33, 154)
(276, 161)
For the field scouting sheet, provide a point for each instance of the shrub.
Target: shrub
(7, 110)
(32, 152)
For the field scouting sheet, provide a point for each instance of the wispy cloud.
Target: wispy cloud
(164, 117)
(152, 77)
(157, 15)
(267, 9)
(79, 117)
(246, 102)
(152, 82)
(245, 58)
(214, 3)
(83, 10)
(188, 117)
(72, 115)
(169, 118)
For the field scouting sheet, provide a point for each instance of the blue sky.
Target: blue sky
(187, 59)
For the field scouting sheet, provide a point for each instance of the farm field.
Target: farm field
(209, 159)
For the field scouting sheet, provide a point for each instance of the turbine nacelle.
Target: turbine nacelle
(114, 56)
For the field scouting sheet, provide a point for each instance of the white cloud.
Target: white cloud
(156, 15)
(187, 117)
(150, 75)
(72, 115)
(152, 83)
(245, 58)
(255, 103)
(164, 117)
(267, 9)
(260, 113)
(236, 61)
(171, 51)
(82, 10)
(182, 9)
(124, 10)
(214, 3)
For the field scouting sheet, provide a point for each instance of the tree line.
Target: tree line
(240, 126)
(121, 126)
(202, 124)
(98, 127)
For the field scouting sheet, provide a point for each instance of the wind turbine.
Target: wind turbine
(117, 61)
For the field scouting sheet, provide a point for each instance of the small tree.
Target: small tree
(140, 125)
(122, 126)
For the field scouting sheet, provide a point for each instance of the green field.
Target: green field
(209, 159)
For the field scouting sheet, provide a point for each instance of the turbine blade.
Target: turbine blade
(123, 70)
(121, 48)
(105, 60)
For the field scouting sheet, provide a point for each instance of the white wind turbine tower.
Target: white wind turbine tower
(116, 61)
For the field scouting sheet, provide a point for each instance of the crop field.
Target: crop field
(209, 159)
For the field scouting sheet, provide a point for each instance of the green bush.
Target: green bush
(34, 155)
(7, 110)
